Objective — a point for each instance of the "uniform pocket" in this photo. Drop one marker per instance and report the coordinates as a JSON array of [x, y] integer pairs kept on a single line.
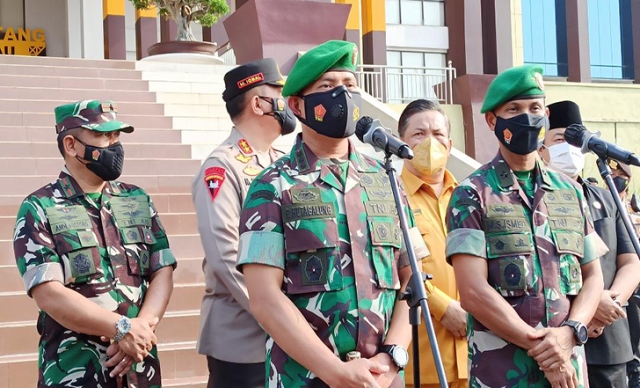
[[136, 240], [386, 240], [570, 246], [313, 260], [509, 262], [80, 256]]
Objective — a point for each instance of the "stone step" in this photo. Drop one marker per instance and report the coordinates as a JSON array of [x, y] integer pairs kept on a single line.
[[24, 93], [202, 123], [186, 87], [189, 98], [23, 185], [178, 362], [48, 119], [182, 67], [47, 133], [66, 62], [195, 110], [133, 150], [57, 71], [183, 77], [183, 246], [47, 106], [22, 337], [72, 82], [18, 307], [194, 382], [132, 166]]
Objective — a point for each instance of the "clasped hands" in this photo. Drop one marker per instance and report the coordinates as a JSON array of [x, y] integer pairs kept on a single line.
[[134, 347], [553, 355]]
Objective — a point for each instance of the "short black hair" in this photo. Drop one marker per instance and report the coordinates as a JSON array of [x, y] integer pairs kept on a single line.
[[416, 107], [235, 106], [69, 132]]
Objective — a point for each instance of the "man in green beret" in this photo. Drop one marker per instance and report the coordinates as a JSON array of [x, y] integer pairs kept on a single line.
[[95, 257], [524, 251], [321, 247]]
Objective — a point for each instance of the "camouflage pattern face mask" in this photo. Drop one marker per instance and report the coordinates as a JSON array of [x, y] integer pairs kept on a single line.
[[105, 162]]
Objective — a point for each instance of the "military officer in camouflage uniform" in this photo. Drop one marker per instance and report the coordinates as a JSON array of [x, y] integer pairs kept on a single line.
[[230, 337], [320, 244], [95, 257], [524, 251]]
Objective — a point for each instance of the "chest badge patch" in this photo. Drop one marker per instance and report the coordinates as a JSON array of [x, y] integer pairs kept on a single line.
[[251, 170], [214, 178], [243, 158]]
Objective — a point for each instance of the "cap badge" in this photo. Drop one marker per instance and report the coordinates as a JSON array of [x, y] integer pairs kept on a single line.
[[354, 56], [539, 81]]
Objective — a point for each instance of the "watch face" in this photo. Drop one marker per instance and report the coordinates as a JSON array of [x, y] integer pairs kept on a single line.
[[583, 334], [400, 356], [124, 325]]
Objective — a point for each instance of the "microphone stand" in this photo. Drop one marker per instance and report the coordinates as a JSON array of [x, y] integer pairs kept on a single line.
[[605, 173], [416, 294]]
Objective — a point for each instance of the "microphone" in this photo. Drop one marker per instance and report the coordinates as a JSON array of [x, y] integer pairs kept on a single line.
[[578, 136], [372, 132]]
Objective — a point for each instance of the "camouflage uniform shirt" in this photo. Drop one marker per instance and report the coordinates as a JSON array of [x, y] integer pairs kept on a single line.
[[534, 251], [333, 229], [103, 249]]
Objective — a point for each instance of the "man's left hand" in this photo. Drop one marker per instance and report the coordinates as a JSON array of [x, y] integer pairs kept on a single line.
[[385, 380], [117, 359], [555, 349]]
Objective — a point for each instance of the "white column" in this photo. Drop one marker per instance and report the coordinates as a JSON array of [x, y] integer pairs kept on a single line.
[[92, 29], [74, 28]]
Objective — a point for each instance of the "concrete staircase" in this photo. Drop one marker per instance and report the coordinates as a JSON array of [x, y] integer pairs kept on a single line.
[[156, 159]]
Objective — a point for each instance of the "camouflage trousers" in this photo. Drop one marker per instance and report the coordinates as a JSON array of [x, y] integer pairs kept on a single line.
[[510, 366]]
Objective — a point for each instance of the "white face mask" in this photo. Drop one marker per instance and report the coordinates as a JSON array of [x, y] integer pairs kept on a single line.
[[566, 159]]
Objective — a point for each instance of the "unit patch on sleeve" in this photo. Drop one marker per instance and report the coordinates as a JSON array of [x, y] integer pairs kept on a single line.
[[214, 178]]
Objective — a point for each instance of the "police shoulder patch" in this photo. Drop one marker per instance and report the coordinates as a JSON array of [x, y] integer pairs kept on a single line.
[[214, 178]]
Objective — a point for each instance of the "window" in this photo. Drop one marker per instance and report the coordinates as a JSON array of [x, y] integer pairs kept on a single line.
[[544, 35], [610, 41], [415, 12], [412, 75]]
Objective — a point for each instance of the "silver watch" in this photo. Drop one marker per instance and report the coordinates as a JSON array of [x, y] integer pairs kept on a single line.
[[123, 325]]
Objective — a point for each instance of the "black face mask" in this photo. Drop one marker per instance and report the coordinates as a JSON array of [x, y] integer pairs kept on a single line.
[[620, 183], [520, 134], [282, 113], [105, 162], [333, 113]]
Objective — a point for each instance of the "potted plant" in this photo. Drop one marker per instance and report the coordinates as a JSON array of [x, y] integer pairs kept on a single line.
[[184, 12]]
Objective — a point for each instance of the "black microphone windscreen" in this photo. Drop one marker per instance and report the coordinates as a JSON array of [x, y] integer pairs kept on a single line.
[[574, 134], [361, 126]]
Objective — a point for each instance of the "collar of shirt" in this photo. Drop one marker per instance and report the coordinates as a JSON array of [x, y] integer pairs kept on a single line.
[[71, 189], [413, 183], [507, 180], [264, 158]]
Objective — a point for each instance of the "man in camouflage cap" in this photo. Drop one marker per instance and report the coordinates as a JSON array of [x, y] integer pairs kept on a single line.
[[320, 244], [230, 337], [95, 258], [524, 251]]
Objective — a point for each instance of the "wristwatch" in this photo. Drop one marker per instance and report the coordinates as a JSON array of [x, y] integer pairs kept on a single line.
[[123, 325], [580, 332], [398, 354]]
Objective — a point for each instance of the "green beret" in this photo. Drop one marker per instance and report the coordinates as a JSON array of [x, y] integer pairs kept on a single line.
[[516, 83], [99, 116], [331, 55]]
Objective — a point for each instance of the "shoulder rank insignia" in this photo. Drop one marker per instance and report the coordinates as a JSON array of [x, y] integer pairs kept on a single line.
[[214, 178], [243, 158], [251, 170], [245, 148]]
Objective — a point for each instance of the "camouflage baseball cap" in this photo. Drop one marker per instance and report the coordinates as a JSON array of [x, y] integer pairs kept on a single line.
[[99, 116]]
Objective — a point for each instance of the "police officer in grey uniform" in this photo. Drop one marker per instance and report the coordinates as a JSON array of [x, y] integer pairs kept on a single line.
[[230, 337]]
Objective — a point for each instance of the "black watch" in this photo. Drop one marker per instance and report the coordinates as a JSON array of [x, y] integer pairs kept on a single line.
[[580, 332], [398, 354]]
